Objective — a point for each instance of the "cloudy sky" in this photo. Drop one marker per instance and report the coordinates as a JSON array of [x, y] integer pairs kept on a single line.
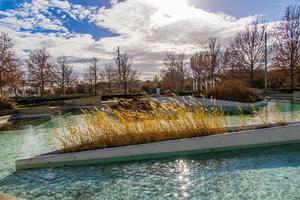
[[145, 29]]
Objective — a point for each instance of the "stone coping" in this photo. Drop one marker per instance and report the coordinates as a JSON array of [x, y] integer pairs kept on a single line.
[[212, 143]]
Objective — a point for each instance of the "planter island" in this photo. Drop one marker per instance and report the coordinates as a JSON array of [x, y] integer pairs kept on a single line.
[[252, 138]]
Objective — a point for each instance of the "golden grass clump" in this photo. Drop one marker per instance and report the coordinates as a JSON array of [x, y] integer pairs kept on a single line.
[[147, 122], [135, 104], [273, 115], [105, 128]]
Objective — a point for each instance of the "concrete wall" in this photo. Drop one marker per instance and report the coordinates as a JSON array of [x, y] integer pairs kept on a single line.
[[93, 100], [243, 139], [34, 110], [296, 95], [228, 106]]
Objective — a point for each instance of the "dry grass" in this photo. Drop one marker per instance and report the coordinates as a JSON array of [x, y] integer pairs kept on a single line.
[[113, 128], [274, 115], [135, 104], [107, 128]]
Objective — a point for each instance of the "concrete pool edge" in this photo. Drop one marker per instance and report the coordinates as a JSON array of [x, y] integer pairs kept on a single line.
[[206, 144]]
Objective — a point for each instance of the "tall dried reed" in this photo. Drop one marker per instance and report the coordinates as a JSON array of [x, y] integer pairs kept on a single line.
[[106, 128]]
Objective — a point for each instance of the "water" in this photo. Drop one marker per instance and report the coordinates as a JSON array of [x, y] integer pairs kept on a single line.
[[261, 173]]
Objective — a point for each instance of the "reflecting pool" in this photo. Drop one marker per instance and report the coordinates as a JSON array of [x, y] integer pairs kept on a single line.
[[260, 173]]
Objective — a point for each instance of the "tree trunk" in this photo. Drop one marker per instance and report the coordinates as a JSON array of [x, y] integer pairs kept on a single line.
[[95, 89], [292, 78], [15, 91], [109, 86], [252, 76], [125, 87], [182, 84], [252, 79], [63, 90], [42, 91]]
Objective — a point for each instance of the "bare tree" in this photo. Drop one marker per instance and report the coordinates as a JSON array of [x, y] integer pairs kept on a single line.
[[174, 71], [227, 61], [109, 74], [248, 49], [9, 64], [200, 66], [16, 77], [215, 53], [40, 71], [71, 79], [127, 73], [65, 74], [93, 75], [287, 42]]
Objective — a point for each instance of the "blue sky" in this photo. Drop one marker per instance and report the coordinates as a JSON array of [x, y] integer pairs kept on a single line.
[[270, 9], [146, 29], [77, 26]]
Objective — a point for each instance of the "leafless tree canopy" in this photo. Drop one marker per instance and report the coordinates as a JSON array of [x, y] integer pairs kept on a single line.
[[287, 43], [209, 64], [10, 71], [126, 74], [65, 75], [200, 64], [215, 55], [93, 75], [40, 71], [110, 75], [248, 49], [174, 71]]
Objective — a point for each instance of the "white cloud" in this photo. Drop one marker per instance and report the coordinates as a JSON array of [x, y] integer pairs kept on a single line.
[[147, 30], [148, 27], [31, 15]]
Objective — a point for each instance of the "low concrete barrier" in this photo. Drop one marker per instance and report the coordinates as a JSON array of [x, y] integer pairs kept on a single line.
[[228, 106], [296, 95], [32, 110], [93, 100], [222, 142]]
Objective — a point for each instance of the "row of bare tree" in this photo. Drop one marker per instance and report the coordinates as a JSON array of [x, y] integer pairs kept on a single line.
[[247, 54], [122, 74], [244, 57], [42, 72], [38, 71]]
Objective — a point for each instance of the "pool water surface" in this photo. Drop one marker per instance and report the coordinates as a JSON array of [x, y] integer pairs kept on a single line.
[[260, 173]]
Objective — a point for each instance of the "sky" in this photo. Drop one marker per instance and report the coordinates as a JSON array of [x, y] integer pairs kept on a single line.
[[145, 29]]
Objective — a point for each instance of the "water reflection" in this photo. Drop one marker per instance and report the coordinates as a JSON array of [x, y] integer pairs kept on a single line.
[[183, 178]]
